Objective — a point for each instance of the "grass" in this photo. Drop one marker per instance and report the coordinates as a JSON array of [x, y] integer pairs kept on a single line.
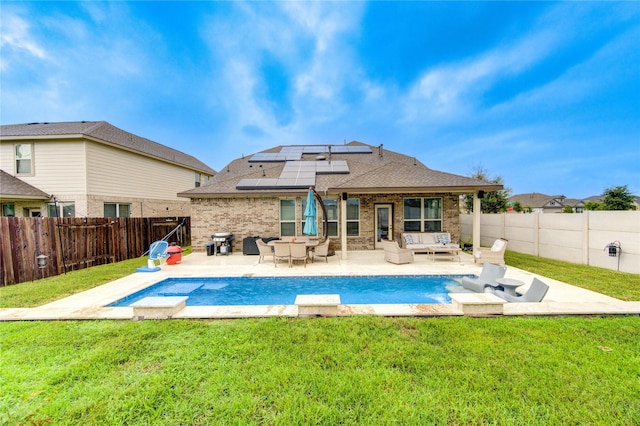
[[325, 371], [36, 293], [621, 285]]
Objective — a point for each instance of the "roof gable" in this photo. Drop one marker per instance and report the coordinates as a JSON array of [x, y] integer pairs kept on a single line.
[[106, 133], [13, 187]]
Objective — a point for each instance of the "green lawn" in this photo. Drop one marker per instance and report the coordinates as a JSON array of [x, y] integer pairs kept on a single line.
[[326, 371]]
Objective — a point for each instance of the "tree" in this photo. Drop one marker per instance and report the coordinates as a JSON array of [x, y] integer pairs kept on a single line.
[[618, 198], [567, 209], [593, 205], [493, 201]]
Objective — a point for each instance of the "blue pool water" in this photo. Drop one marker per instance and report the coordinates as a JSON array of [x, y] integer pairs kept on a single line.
[[402, 289]]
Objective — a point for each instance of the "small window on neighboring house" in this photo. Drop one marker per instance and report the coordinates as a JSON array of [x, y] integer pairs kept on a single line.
[[117, 210], [197, 180], [64, 210], [287, 218], [8, 210], [24, 159]]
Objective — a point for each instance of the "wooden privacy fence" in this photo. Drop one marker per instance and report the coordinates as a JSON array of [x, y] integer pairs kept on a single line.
[[76, 243]]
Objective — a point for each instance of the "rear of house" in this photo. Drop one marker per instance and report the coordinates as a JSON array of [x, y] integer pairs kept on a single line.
[[370, 194]]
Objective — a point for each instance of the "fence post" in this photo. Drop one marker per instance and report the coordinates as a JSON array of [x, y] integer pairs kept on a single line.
[[536, 234], [585, 237]]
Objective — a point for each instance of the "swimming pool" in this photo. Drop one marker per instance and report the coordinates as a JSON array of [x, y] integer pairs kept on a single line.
[[241, 291]]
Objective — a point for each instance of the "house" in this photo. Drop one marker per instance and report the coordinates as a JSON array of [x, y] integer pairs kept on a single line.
[[92, 169], [369, 194], [539, 203]]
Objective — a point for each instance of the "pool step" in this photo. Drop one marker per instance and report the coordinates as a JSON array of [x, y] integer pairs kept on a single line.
[[317, 305], [158, 307], [478, 304]]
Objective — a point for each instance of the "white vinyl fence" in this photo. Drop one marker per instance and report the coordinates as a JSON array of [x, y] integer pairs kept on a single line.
[[578, 238]]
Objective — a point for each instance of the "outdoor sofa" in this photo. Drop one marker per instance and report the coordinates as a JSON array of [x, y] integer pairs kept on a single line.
[[430, 242]]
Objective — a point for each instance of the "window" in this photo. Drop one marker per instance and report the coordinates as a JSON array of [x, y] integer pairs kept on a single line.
[[353, 217], [423, 214], [197, 180], [64, 210], [287, 218], [331, 205], [24, 159], [117, 210], [8, 210]]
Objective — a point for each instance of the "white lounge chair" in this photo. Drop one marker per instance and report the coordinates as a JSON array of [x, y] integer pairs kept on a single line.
[[490, 272], [493, 254], [535, 294]]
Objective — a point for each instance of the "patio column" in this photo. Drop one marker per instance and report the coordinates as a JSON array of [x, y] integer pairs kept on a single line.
[[343, 226], [476, 222]]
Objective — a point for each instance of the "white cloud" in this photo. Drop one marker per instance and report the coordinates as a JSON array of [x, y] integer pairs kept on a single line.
[[16, 35]]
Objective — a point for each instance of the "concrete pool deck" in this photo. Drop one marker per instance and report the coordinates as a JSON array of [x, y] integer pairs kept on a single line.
[[562, 298]]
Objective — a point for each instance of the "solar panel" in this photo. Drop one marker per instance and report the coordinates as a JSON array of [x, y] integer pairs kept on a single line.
[[274, 157], [296, 174]]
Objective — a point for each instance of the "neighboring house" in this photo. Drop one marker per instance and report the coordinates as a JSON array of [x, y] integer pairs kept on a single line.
[[539, 203], [369, 193], [92, 169]]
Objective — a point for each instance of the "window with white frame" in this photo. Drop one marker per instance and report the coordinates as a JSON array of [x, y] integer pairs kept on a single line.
[[63, 210], [117, 210], [353, 217], [287, 218], [24, 158], [423, 214], [331, 206]]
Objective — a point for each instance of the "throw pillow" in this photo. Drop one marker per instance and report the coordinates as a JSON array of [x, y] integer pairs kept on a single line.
[[408, 239], [444, 238]]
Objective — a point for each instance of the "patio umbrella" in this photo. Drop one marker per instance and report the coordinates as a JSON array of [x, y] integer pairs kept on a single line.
[[310, 226]]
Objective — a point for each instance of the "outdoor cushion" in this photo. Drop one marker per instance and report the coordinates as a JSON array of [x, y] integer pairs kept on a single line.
[[408, 238], [444, 238]]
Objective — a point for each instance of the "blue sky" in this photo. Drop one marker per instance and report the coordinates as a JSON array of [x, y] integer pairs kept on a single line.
[[545, 95]]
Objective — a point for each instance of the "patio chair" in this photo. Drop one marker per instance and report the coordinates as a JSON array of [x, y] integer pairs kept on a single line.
[[263, 249], [281, 251], [298, 252], [490, 272], [535, 294], [321, 250], [493, 254], [394, 254]]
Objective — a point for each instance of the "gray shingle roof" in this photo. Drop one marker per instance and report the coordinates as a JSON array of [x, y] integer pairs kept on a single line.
[[12, 187], [390, 172], [105, 132]]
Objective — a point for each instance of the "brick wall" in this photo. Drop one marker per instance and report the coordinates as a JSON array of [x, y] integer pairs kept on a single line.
[[260, 216]]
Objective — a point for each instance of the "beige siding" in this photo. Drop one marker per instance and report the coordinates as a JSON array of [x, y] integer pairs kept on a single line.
[[118, 173], [58, 167]]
